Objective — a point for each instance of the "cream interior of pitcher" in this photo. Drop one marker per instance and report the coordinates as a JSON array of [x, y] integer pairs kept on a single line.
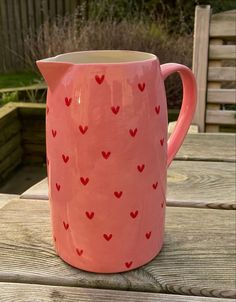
[[102, 56]]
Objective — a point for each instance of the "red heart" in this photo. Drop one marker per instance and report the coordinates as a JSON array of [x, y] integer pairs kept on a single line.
[[141, 167], [106, 154], [148, 235], [134, 214], [58, 187], [128, 264], [66, 225], [79, 252], [47, 109], [107, 237], [115, 110], [133, 132], [162, 141], [118, 194], [99, 79], [68, 101], [83, 129], [54, 238], [65, 158], [89, 215], [155, 185], [84, 181], [162, 205], [141, 86], [157, 109], [54, 133]]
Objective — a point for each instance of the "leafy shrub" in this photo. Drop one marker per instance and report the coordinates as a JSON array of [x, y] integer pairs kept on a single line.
[[141, 35], [7, 97]]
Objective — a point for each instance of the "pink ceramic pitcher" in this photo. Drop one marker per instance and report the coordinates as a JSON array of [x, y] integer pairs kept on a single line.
[[107, 155]]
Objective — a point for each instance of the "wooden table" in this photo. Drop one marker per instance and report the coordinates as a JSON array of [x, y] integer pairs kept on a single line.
[[197, 261]]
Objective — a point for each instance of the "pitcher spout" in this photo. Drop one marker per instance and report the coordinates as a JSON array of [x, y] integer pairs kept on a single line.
[[52, 71]]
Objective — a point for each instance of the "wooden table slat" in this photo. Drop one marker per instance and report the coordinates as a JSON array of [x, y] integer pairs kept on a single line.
[[190, 184], [5, 198], [33, 292], [198, 257], [208, 147]]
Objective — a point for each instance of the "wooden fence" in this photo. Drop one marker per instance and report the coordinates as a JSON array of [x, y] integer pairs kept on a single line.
[[17, 17]]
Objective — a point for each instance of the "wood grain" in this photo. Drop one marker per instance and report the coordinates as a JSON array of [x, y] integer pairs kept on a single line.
[[4, 37], [12, 292], [223, 25], [32, 136], [7, 114], [9, 163], [208, 68], [11, 31], [9, 131], [10, 146], [208, 147], [222, 52], [5, 198], [197, 257], [219, 74], [221, 96], [213, 85], [200, 54], [35, 148], [221, 117], [189, 184], [201, 184]]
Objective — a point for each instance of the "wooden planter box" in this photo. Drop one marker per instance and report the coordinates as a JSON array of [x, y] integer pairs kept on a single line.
[[22, 135]]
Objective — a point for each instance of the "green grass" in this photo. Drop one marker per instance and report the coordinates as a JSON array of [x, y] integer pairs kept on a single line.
[[18, 79]]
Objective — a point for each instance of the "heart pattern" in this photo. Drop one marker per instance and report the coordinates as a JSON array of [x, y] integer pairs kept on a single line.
[[155, 185], [54, 133], [118, 194], [79, 252], [58, 187], [83, 129], [141, 168], [106, 154], [115, 110], [65, 158], [133, 132], [135, 215], [128, 264], [157, 109], [68, 101], [141, 86], [107, 236], [90, 215], [99, 79], [84, 181], [66, 225]]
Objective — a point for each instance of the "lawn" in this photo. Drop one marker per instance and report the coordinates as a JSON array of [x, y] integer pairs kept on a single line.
[[18, 79]]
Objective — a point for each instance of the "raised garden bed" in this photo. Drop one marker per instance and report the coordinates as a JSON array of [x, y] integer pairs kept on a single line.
[[22, 137]]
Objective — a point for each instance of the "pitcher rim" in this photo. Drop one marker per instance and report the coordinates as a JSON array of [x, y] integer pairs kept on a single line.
[[147, 57]]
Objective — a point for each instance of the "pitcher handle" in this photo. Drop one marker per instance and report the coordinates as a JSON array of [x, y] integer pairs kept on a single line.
[[187, 108]]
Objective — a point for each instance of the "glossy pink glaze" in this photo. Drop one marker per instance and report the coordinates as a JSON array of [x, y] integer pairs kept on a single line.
[[106, 132]]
